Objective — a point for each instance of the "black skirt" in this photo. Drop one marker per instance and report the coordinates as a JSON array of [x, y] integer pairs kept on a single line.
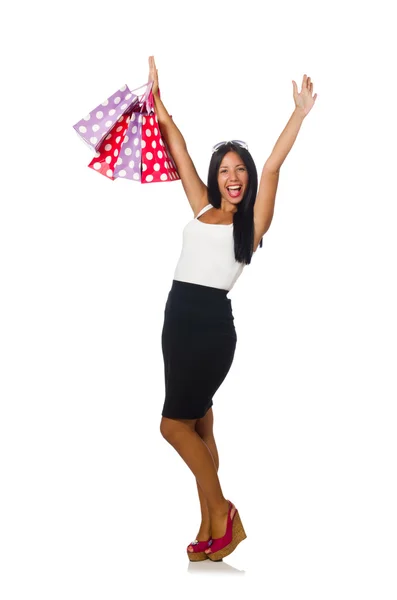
[[198, 343]]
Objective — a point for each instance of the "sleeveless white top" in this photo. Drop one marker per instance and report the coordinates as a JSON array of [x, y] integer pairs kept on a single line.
[[207, 255]]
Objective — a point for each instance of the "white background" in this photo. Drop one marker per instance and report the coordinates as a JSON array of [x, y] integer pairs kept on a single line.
[[94, 502]]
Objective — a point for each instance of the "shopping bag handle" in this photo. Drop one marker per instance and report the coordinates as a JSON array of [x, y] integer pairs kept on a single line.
[[145, 100]]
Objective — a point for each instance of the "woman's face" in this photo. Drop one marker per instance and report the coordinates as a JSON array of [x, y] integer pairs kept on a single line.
[[232, 174]]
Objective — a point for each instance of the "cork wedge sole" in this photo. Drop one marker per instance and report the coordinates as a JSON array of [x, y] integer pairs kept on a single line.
[[238, 536], [197, 556]]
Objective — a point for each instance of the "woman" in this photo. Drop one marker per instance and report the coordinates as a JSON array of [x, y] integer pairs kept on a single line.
[[198, 337]]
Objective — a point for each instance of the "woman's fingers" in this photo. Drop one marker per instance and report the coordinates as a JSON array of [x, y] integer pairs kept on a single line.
[[152, 68], [307, 84], [153, 74], [152, 64]]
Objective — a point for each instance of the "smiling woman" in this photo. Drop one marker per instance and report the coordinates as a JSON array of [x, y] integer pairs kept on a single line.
[[233, 175], [199, 337]]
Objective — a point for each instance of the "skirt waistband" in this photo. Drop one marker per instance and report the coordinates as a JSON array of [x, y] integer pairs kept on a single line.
[[197, 289], [185, 297]]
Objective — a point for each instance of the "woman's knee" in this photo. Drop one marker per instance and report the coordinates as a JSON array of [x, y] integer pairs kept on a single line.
[[171, 429], [166, 427]]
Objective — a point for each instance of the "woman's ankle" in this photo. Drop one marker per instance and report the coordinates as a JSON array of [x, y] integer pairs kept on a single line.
[[219, 509]]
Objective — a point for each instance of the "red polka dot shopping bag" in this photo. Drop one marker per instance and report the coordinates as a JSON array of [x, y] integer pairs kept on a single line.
[[105, 159], [157, 162]]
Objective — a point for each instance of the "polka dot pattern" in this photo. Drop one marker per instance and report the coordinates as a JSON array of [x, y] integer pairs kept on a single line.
[[157, 164], [101, 119], [107, 160], [127, 144]]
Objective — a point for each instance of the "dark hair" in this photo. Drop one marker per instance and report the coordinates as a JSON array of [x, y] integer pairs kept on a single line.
[[243, 219]]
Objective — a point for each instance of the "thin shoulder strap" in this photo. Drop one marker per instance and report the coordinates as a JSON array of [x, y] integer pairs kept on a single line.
[[203, 210]]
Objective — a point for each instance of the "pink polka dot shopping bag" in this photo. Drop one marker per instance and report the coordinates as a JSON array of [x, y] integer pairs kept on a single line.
[[124, 133]]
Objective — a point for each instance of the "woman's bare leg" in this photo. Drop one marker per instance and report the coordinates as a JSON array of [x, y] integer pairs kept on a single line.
[[212, 524], [181, 434], [204, 428]]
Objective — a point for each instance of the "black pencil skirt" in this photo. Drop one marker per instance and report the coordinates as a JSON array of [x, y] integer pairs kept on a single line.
[[198, 343]]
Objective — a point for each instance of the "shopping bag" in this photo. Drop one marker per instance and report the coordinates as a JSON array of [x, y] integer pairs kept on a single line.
[[95, 126], [105, 159], [128, 164], [157, 162]]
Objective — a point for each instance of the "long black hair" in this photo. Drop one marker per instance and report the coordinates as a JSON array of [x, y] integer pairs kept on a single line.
[[243, 219]]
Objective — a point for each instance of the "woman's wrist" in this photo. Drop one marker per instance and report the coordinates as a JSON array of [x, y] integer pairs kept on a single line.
[[300, 112]]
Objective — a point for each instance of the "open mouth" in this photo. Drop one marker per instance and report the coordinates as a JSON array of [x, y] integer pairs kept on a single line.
[[234, 191]]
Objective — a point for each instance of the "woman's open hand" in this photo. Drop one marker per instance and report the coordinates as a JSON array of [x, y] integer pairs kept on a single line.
[[305, 100], [153, 75]]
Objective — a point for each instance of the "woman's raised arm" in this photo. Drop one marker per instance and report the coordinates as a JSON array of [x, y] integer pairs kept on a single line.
[[195, 188], [265, 199]]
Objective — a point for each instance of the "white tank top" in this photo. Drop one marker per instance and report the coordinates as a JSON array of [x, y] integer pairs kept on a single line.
[[207, 255]]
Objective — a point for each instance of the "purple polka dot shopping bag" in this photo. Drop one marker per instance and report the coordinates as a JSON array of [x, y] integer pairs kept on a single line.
[[128, 165], [94, 127]]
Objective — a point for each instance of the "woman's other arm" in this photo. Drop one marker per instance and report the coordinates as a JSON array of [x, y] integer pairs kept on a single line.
[[265, 199]]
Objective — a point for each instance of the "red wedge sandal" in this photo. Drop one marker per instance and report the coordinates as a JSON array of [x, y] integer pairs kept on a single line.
[[235, 534]]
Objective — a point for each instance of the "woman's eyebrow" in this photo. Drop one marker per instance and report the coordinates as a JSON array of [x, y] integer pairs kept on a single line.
[[226, 166]]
